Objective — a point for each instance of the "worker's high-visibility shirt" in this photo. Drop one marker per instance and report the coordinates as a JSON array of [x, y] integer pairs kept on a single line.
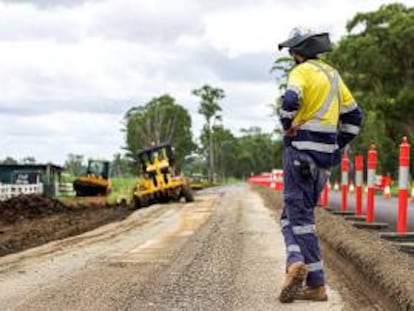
[[319, 103]]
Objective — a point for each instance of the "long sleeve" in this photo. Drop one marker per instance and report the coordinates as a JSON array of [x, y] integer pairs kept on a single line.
[[289, 109], [291, 98], [350, 118]]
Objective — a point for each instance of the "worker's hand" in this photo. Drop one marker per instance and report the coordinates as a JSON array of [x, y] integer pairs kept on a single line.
[[293, 131]]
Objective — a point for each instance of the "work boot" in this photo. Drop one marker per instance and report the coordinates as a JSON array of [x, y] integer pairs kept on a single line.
[[312, 293], [296, 274]]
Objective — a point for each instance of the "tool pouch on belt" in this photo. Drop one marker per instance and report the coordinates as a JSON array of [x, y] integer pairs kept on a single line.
[[306, 169]]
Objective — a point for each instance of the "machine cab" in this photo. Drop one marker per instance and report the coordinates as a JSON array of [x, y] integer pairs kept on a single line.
[[98, 168], [159, 157]]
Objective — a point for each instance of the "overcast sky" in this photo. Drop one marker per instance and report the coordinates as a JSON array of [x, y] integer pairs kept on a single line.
[[70, 69]]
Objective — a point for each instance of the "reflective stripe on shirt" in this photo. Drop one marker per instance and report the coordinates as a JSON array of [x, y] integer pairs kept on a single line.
[[333, 91], [310, 145], [349, 128], [287, 114], [348, 108], [316, 126]]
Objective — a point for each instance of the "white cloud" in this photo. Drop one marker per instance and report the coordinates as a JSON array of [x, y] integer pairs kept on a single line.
[[259, 27], [70, 69], [61, 133]]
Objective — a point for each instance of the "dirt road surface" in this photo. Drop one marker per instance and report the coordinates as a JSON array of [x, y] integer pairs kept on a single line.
[[222, 252]]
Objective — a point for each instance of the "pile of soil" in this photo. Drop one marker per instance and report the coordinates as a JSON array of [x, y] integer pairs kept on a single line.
[[29, 207], [32, 220]]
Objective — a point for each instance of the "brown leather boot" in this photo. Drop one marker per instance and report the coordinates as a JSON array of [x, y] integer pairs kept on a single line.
[[312, 293], [296, 274]]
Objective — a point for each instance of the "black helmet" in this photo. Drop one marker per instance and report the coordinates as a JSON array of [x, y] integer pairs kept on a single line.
[[307, 43]]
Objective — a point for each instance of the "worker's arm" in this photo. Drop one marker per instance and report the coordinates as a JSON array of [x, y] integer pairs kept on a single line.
[[350, 117], [291, 99]]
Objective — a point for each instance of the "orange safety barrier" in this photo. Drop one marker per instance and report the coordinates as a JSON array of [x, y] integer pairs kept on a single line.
[[344, 182], [359, 179], [277, 180], [372, 165], [264, 180], [403, 186]]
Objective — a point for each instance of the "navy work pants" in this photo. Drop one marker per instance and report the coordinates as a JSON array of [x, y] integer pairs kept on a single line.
[[303, 184]]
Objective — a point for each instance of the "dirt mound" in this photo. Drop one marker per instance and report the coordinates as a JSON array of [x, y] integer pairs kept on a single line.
[[28, 207], [388, 270], [30, 220]]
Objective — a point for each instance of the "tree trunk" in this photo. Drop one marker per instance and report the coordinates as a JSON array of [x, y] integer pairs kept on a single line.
[[211, 153]]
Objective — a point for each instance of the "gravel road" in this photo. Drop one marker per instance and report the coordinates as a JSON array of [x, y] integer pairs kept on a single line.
[[222, 252]]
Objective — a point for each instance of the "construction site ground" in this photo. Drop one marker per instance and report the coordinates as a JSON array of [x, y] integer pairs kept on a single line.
[[32, 220], [222, 252]]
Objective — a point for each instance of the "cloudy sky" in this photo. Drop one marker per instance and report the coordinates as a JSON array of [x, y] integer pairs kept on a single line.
[[69, 69]]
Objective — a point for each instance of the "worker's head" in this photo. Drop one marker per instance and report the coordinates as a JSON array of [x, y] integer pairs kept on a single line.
[[303, 43]]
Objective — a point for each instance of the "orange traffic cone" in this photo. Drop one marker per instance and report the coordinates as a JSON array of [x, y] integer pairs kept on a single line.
[[387, 192], [336, 186], [351, 188]]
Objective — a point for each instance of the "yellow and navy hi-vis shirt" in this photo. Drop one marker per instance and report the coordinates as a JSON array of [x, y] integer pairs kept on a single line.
[[320, 104]]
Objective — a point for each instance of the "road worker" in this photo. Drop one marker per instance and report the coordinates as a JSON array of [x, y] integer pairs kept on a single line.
[[319, 118]]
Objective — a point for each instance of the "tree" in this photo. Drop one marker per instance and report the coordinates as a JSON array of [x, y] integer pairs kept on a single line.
[[373, 60], [194, 164], [282, 66], [9, 161], [160, 120], [74, 164], [28, 160], [225, 149], [258, 152], [121, 166], [210, 109]]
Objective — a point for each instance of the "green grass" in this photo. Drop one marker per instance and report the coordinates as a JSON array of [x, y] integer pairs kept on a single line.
[[121, 188]]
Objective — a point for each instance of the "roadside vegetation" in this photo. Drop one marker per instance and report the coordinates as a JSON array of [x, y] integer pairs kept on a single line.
[[374, 60]]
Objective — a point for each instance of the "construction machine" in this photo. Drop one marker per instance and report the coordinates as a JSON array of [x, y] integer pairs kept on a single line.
[[160, 183], [95, 182], [198, 182]]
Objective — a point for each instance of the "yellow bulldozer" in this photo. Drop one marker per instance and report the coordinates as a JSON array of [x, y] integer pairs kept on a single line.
[[160, 183], [95, 182], [198, 182]]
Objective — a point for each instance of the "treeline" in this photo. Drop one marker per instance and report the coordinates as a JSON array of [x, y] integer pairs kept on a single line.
[[217, 152], [12, 161], [120, 165], [376, 61], [374, 58]]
